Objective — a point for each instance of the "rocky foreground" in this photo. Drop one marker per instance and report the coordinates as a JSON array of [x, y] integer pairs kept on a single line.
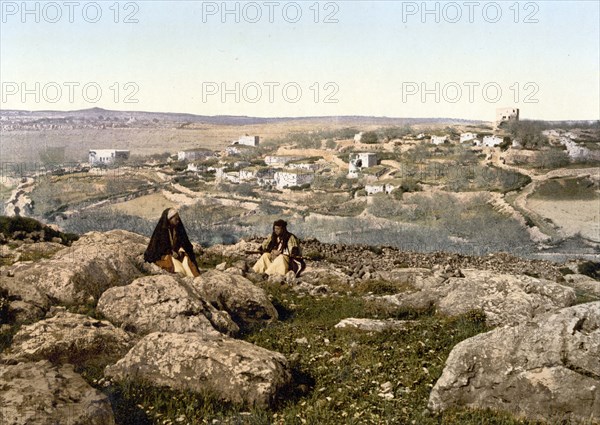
[[97, 304]]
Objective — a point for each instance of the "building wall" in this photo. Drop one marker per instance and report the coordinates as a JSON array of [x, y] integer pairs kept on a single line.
[[285, 179], [106, 156], [249, 140], [465, 137], [506, 115]]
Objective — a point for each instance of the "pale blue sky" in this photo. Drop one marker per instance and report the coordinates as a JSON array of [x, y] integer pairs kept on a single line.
[[369, 55]]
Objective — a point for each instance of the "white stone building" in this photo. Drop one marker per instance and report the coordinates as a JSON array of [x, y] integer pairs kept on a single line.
[[359, 161], [491, 141], [303, 166], [380, 187], [107, 156], [194, 154], [290, 178], [248, 141], [358, 137], [505, 115], [465, 137], [280, 160], [439, 140]]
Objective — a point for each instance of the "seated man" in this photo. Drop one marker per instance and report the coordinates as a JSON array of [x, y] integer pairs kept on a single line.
[[170, 248], [281, 253]]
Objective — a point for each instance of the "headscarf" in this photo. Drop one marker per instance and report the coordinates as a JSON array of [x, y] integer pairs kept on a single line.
[[160, 242], [285, 236]]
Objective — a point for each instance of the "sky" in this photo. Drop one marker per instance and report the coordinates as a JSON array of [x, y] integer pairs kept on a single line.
[[458, 59]]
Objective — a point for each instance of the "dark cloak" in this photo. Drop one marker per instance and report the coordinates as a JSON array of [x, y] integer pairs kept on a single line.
[[285, 237], [160, 242]]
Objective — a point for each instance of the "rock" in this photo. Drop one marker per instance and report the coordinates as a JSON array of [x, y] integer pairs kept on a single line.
[[162, 303], [94, 263], [546, 369], [236, 250], [246, 303], [276, 279], [41, 393], [290, 278], [505, 299], [221, 267], [231, 369], [315, 291], [234, 270], [40, 249], [318, 275], [302, 341], [241, 264], [26, 303], [56, 240], [583, 283], [69, 338], [373, 325]]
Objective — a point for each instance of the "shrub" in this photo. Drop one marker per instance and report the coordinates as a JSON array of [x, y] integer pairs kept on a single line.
[[591, 269], [369, 137]]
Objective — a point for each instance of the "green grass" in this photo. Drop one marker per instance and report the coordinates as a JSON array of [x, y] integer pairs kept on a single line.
[[567, 189], [338, 374]]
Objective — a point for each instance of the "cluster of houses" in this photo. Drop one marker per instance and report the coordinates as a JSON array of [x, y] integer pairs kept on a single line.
[[279, 172], [489, 141], [576, 151]]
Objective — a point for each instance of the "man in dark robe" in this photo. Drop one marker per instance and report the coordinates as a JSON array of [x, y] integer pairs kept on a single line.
[[281, 252], [170, 248]]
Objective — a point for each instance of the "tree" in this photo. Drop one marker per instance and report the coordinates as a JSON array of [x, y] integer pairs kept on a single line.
[[369, 137]]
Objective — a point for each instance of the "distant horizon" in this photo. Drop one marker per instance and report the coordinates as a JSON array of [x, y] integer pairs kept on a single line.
[[279, 117]]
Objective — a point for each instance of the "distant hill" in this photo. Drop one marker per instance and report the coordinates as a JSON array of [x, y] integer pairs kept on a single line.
[[20, 118]]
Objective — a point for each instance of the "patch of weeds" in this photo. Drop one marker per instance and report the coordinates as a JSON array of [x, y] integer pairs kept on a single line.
[[401, 264], [582, 297], [87, 309], [6, 337], [210, 260], [313, 255], [4, 304], [381, 287], [141, 403], [476, 316], [487, 417], [565, 271], [590, 269], [375, 249], [531, 274]]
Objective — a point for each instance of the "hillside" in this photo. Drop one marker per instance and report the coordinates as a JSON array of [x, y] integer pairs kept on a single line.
[[368, 334]]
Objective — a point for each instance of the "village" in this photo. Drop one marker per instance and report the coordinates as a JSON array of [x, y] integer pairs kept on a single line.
[[417, 185], [289, 167]]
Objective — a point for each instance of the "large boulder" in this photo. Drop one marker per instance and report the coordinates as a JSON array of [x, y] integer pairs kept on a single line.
[[162, 303], [233, 370], [69, 338], [547, 368], [237, 250], [83, 271], [505, 299], [26, 303], [583, 284], [40, 393], [245, 302]]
